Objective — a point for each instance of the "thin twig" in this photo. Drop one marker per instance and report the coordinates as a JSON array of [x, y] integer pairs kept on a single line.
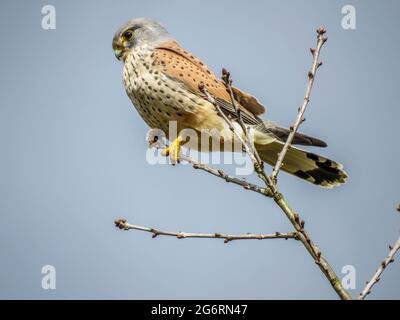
[[378, 273], [159, 144], [226, 78], [321, 39], [122, 224], [249, 148], [242, 139], [228, 178]]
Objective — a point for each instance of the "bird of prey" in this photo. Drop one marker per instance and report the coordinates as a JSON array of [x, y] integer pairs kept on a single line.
[[162, 80]]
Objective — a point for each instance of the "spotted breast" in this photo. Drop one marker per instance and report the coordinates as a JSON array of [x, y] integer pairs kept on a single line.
[[160, 99]]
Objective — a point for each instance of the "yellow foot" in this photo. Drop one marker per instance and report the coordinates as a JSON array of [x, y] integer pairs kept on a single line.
[[173, 151]]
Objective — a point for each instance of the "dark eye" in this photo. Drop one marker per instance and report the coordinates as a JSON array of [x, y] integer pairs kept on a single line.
[[128, 35]]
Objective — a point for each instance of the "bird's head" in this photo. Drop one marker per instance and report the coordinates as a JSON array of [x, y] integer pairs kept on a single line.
[[138, 32]]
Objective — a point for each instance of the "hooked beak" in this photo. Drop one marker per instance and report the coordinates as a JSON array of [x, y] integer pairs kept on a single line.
[[118, 50], [118, 53]]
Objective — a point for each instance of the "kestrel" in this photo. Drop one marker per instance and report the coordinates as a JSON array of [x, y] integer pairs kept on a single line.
[[162, 80]]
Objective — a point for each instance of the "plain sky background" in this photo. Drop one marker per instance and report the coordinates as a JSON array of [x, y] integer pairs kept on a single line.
[[73, 153]]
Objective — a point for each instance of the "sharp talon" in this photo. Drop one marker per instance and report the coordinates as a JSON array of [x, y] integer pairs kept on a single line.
[[173, 151], [165, 152]]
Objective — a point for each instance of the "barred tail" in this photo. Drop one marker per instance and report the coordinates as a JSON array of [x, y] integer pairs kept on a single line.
[[305, 165]]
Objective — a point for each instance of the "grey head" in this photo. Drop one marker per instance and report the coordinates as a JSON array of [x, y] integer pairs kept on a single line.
[[138, 32]]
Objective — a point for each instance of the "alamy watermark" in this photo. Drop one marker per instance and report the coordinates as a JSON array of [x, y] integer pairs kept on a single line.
[[209, 146], [49, 278], [49, 18], [349, 17], [349, 278]]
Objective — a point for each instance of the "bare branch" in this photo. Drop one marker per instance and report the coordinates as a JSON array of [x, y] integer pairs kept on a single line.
[[249, 147], [228, 178], [226, 78], [321, 39], [378, 273], [123, 225], [159, 144], [270, 182]]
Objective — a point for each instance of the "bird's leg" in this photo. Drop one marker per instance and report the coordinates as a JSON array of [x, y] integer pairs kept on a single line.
[[173, 150]]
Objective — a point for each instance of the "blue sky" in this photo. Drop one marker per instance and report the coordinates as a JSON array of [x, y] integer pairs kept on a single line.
[[73, 153]]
